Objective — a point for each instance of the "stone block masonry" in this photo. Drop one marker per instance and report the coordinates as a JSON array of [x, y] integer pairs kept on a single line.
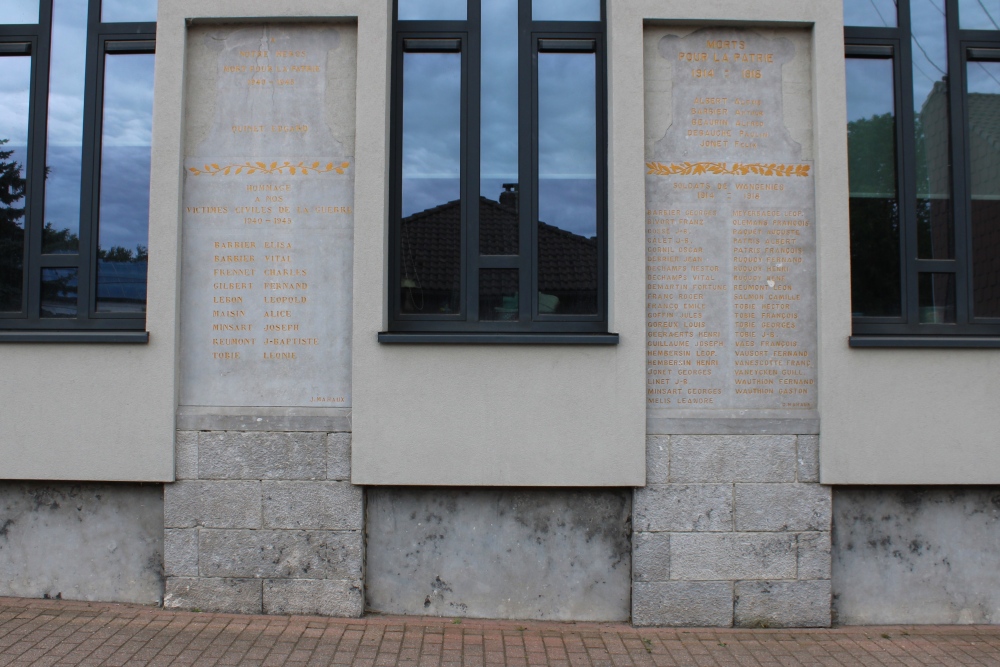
[[732, 530], [264, 522]]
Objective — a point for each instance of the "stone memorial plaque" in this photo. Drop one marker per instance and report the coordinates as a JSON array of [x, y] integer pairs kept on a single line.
[[730, 233], [268, 219]]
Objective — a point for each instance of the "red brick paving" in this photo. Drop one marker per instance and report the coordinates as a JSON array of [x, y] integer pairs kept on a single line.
[[52, 632]]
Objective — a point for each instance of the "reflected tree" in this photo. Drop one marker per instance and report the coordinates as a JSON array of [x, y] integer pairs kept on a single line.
[[12, 189]]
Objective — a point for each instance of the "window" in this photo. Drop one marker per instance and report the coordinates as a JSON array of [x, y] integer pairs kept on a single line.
[[923, 105], [499, 223], [76, 86]]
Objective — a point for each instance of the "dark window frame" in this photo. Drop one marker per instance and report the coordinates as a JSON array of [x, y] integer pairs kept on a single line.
[[88, 325], [531, 326], [906, 331]]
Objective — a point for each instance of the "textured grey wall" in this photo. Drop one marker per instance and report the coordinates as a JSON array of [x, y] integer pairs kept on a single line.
[[264, 522], [499, 553], [88, 541], [732, 530], [916, 555]]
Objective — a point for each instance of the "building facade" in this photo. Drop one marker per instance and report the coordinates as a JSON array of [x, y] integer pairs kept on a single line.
[[676, 313]]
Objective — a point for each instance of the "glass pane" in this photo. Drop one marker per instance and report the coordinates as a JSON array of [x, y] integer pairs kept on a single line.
[[567, 183], [18, 11], [937, 298], [123, 225], [566, 10], [64, 152], [431, 228], [128, 11], [870, 13], [871, 148], [498, 206], [59, 290], [979, 14], [15, 83], [498, 295], [984, 136], [432, 10], [935, 229]]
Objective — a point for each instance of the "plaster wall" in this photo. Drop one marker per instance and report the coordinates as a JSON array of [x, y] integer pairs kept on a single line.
[[555, 554], [89, 541], [916, 555]]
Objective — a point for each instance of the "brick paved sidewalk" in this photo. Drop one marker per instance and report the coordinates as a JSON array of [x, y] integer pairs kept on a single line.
[[51, 632]]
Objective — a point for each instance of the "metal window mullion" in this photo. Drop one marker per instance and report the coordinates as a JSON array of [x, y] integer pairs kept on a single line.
[[37, 140], [908, 172], [602, 142], [527, 124], [472, 72], [396, 174], [960, 186], [90, 166]]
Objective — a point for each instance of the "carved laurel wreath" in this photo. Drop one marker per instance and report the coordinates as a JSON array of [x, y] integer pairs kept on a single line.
[[274, 168], [721, 169]]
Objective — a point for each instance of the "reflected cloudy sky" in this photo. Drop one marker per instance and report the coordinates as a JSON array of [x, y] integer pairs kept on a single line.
[[566, 10], [930, 50], [18, 11], [498, 105], [432, 85], [984, 77], [127, 131], [869, 88], [64, 150], [873, 13], [567, 141], [427, 10], [123, 11], [979, 14]]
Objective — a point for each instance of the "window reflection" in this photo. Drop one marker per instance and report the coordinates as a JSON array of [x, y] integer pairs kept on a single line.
[[18, 11], [935, 229], [427, 10], [15, 81], [123, 223], [874, 206], [984, 135], [431, 228], [567, 183], [59, 292], [499, 216], [936, 298], [871, 13], [64, 150], [979, 14], [498, 295], [566, 10], [128, 11]]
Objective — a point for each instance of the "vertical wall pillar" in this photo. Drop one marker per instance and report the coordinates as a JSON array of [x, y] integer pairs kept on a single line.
[[733, 527], [264, 521], [732, 530]]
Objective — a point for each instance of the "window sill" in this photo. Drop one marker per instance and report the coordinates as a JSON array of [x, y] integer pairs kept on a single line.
[[499, 338], [925, 341], [134, 337]]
